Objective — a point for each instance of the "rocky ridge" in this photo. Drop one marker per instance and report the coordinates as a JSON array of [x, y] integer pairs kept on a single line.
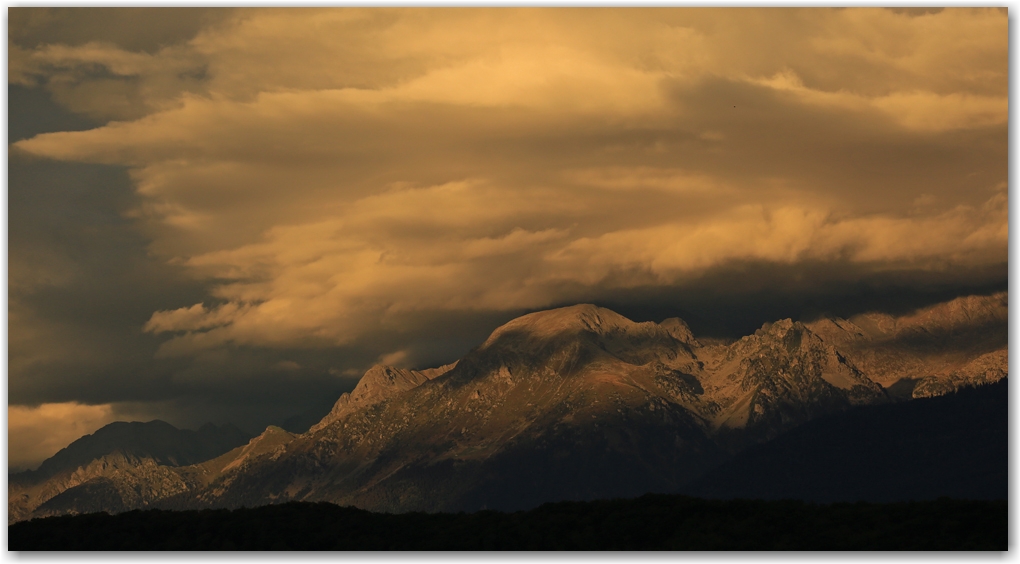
[[933, 350], [581, 403]]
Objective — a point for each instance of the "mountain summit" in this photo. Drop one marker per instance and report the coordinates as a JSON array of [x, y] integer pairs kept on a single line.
[[569, 320], [576, 403]]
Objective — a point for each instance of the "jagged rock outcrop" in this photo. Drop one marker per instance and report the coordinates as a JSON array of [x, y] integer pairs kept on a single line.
[[781, 376], [379, 383]]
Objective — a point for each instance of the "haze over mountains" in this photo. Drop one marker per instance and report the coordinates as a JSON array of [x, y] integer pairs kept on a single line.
[[572, 403]]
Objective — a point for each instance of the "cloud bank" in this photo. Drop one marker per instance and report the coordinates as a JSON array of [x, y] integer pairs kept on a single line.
[[334, 177]]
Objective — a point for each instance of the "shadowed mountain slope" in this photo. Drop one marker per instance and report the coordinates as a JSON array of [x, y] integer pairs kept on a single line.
[[955, 445]]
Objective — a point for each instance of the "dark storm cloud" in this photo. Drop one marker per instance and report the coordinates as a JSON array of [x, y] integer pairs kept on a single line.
[[80, 280], [81, 286], [97, 62], [30, 112], [133, 29], [733, 301]]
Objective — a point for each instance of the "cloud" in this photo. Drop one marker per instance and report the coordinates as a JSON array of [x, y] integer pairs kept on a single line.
[[915, 110], [491, 167], [790, 234], [136, 29], [36, 433], [646, 178], [193, 318], [395, 358], [329, 292], [101, 80]]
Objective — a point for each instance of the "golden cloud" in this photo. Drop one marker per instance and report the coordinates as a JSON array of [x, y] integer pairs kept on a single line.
[[36, 433], [331, 171]]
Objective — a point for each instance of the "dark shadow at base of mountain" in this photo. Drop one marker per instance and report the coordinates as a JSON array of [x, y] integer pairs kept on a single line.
[[651, 522], [954, 445], [96, 495]]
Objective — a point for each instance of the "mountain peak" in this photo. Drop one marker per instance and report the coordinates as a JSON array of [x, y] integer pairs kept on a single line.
[[571, 319], [679, 329], [783, 329], [379, 383], [152, 439]]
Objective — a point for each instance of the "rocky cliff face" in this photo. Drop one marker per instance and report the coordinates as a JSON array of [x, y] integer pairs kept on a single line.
[[376, 385], [577, 403], [782, 376]]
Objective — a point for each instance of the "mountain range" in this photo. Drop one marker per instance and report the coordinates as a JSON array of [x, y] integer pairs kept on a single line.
[[573, 403]]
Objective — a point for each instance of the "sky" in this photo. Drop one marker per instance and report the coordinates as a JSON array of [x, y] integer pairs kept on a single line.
[[228, 215]]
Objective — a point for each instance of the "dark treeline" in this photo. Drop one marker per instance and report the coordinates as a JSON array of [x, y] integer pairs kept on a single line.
[[651, 522]]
